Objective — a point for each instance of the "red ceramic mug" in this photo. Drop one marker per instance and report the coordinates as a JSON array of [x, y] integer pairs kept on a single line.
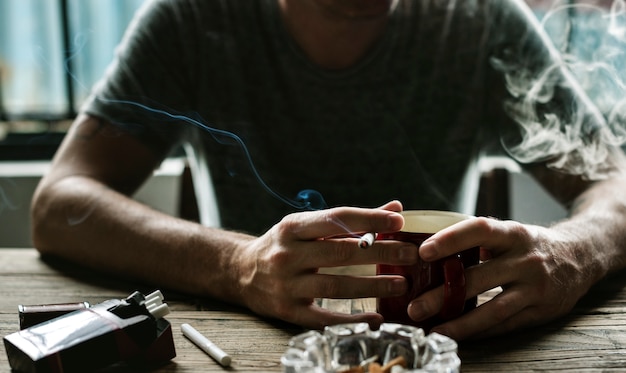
[[424, 276]]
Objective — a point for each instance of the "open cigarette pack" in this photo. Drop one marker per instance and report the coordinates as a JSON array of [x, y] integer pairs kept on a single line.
[[89, 338]]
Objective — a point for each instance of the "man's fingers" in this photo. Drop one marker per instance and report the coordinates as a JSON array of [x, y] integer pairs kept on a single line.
[[392, 206], [315, 317], [349, 287], [476, 232], [489, 275], [478, 279], [502, 313], [340, 221], [426, 305], [343, 252]]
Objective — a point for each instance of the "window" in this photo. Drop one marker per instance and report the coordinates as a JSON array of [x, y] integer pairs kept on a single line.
[[52, 51], [31, 58]]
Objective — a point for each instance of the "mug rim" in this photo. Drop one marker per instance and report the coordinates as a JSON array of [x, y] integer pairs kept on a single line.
[[442, 219]]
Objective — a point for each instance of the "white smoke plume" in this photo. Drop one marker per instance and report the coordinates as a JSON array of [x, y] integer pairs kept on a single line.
[[590, 38]]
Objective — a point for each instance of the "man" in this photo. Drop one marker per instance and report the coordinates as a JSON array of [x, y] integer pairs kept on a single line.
[[354, 102]]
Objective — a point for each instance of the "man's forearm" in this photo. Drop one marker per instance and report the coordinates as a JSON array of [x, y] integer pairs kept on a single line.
[[598, 221], [83, 221]]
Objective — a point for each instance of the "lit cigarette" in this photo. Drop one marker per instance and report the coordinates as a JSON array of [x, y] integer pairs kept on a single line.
[[367, 240], [207, 346]]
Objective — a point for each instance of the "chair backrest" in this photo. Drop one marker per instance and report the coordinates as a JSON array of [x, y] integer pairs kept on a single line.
[[208, 212]]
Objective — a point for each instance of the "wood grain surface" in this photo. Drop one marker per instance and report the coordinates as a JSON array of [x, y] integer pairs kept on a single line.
[[591, 338]]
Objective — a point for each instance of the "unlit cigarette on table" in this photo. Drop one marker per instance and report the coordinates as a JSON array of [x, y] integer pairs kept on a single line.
[[207, 346], [367, 240]]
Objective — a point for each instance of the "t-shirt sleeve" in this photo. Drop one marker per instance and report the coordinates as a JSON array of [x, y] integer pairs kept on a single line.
[[147, 89]]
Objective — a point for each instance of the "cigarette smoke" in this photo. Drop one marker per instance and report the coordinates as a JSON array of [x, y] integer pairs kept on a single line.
[[576, 137], [307, 199]]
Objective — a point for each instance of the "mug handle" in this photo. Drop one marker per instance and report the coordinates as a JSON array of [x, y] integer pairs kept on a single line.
[[453, 288]]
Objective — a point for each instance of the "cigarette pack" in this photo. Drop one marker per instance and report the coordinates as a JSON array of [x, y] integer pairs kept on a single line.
[[129, 330], [36, 314]]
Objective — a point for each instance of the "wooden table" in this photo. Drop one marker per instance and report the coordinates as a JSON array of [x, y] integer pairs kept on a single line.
[[591, 338]]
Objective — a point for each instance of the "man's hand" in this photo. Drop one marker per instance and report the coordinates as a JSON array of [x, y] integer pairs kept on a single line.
[[281, 279], [543, 273]]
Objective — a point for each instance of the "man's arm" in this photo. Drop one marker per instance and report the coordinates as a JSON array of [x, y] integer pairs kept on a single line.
[[82, 212], [597, 215], [543, 271]]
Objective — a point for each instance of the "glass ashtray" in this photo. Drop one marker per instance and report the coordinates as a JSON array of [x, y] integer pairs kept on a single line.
[[354, 348]]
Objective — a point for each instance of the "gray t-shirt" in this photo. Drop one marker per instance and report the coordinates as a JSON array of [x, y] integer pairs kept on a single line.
[[404, 123]]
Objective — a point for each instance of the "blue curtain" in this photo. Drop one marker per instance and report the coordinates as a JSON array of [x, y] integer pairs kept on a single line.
[[51, 48], [31, 63], [96, 27]]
